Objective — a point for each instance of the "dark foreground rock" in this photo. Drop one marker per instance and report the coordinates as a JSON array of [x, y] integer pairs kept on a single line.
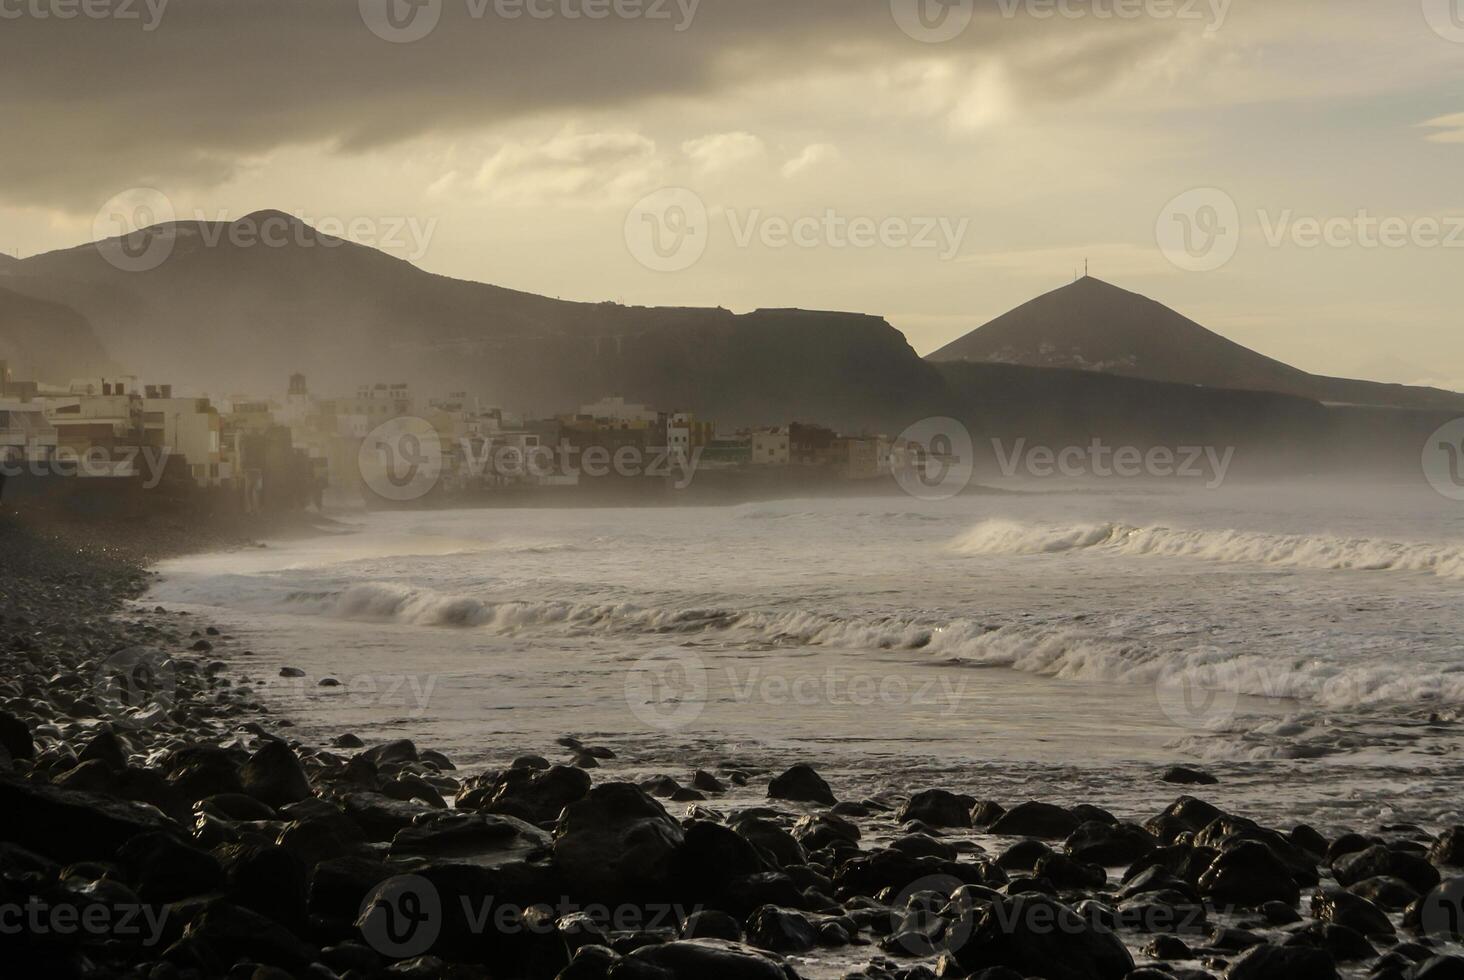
[[801, 784], [1037, 936]]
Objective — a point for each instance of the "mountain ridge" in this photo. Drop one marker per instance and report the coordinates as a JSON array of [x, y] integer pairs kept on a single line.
[[1093, 325], [44, 339], [224, 316]]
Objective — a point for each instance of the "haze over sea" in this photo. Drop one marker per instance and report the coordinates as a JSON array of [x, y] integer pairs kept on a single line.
[[1284, 637]]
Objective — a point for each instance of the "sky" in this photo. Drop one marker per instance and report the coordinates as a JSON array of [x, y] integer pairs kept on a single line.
[[1287, 172]]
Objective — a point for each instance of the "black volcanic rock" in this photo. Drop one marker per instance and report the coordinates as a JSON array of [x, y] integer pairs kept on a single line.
[[1267, 962], [273, 775], [1037, 936], [803, 785], [1248, 874], [616, 844], [72, 826], [939, 808], [708, 959], [1033, 819]]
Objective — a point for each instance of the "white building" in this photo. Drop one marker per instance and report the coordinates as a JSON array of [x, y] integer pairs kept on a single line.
[[189, 427], [770, 447], [25, 435]]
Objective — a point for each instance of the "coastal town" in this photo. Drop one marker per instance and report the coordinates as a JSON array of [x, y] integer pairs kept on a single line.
[[301, 450]]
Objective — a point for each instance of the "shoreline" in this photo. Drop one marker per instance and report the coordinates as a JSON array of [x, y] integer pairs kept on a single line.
[[182, 796]]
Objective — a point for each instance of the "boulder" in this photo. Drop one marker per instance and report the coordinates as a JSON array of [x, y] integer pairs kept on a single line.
[[617, 844], [772, 840], [1448, 849], [235, 933], [803, 785], [868, 874], [1188, 776], [705, 959], [1110, 845], [535, 795], [1037, 936], [1387, 893], [1043, 820], [15, 737], [1344, 945], [1248, 875], [274, 775], [1352, 911], [1438, 968], [1186, 813], [817, 831], [1382, 860], [711, 924], [938, 808], [72, 826], [267, 879], [167, 870], [1268, 962], [484, 839], [380, 817], [709, 858], [1069, 874], [781, 930]]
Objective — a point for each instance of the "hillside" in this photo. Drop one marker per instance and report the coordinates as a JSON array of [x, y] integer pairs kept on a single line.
[[1094, 326], [230, 317], [48, 341]]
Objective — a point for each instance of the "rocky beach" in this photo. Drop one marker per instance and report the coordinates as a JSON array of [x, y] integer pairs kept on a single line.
[[161, 821]]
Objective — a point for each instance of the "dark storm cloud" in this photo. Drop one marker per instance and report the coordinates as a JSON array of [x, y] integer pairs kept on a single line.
[[111, 93]]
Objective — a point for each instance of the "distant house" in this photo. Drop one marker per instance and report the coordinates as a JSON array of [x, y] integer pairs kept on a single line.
[[26, 438], [769, 447], [812, 445], [863, 457], [685, 433], [189, 427]]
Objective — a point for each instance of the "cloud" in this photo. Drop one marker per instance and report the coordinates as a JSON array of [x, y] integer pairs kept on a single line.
[[91, 106], [724, 151], [1448, 129], [813, 157], [572, 167]]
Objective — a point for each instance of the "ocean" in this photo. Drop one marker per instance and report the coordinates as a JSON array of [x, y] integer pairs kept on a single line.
[[1300, 641]]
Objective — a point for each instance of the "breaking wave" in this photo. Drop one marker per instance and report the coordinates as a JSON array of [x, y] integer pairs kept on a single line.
[[999, 537], [1067, 651]]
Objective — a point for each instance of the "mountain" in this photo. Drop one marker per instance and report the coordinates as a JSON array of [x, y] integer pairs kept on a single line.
[[1094, 326], [45, 340], [226, 312]]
